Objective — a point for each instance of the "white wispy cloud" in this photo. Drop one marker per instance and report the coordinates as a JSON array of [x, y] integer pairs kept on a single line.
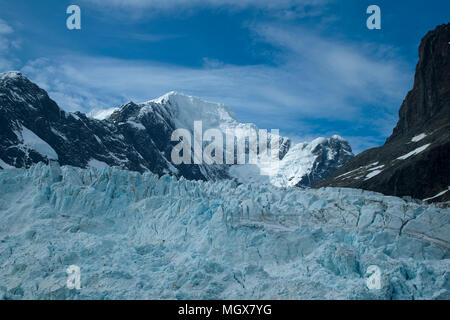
[[7, 43], [282, 8], [160, 4], [313, 78], [5, 28], [339, 72]]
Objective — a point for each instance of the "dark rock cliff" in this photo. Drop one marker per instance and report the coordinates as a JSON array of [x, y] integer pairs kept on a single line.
[[415, 160]]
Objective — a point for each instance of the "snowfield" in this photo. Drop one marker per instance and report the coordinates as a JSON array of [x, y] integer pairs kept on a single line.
[[140, 236]]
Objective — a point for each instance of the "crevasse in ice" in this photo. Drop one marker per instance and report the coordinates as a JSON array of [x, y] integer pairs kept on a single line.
[[140, 236]]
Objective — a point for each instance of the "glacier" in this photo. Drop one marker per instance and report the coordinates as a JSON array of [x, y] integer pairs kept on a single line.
[[140, 236]]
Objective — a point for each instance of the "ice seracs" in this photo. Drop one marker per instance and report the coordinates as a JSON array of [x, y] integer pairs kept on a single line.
[[140, 236]]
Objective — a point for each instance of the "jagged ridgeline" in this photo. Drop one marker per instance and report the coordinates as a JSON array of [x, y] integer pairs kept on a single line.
[[138, 137]]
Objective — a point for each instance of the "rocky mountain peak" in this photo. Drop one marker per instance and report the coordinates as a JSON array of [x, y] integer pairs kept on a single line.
[[14, 80], [414, 161], [429, 99], [25, 99], [137, 136], [11, 75]]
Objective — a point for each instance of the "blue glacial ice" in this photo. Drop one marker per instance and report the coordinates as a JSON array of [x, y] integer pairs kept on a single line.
[[142, 237]]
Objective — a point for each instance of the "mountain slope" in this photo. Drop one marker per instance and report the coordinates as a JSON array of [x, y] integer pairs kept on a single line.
[[142, 237], [75, 139], [415, 160], [304, 164], [135, 136]]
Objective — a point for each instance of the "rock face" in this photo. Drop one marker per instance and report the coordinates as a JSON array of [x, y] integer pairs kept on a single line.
[[308, 163], [415, 160], [33, 129], [331, 154], [427, 105], [135, 137]]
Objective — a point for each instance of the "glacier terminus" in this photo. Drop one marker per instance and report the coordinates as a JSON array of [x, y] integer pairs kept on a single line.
[[140, 236]]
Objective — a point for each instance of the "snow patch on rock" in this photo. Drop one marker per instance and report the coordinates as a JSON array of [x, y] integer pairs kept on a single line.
[[438, 195], [414, 152], [97, 164], [101, 114], [30, 140], [373, 174]]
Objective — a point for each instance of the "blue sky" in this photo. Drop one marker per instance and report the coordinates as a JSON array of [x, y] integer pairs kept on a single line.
[[307, 67]]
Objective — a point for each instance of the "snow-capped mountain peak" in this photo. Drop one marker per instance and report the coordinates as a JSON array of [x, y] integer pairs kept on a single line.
[[186, 109], [139, 136], [101, 114], [305, 164], [10, 74]]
